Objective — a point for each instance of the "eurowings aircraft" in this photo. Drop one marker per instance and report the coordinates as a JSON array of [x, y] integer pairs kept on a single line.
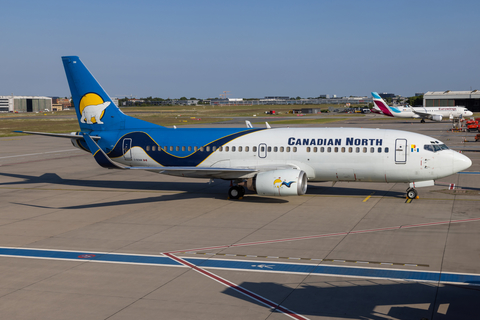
[[431, 113], [268, 161]]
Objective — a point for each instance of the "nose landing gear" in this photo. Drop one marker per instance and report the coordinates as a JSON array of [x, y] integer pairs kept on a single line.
[[411, 193]]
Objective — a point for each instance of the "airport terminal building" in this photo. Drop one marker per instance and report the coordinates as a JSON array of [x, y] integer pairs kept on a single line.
[[468, 99], [25, 104]]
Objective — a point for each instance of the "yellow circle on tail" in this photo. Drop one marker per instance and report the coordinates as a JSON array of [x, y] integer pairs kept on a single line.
[[91, 99]]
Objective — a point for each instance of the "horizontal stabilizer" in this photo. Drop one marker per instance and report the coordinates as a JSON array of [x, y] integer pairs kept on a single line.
[[59, 135]]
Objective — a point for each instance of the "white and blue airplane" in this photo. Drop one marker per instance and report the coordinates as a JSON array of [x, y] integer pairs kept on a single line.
[[430, 113], [268, 161]]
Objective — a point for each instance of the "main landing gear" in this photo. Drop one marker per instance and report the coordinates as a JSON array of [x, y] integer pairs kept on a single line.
[[422, 121], [411, 193], [236, 192]]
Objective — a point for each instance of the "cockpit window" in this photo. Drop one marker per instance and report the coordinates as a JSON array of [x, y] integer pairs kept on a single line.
[[435, 147]]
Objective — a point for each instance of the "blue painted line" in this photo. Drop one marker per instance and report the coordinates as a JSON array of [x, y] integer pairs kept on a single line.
[[89, 256], [410, 275], [258, 266]]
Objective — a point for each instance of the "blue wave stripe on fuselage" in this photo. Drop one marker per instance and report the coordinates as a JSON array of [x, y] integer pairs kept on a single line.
[[179, 137]]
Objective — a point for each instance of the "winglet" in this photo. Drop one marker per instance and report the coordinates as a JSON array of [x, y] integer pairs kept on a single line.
[[249, 124], [100, 156]]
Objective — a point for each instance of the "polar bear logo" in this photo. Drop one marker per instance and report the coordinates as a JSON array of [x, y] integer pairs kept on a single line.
[[93, 111]]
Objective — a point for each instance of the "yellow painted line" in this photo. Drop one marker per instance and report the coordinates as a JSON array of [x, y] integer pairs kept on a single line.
[[366, 199]]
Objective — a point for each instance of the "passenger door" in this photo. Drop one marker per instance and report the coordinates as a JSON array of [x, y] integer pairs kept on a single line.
[[401, 151]]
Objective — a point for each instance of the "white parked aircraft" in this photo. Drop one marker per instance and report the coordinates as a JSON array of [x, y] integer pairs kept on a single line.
[[431, 113], [268, 161]]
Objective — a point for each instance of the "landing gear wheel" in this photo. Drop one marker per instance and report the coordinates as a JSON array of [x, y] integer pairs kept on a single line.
[[411, 193], [422, 121], [236, 192]]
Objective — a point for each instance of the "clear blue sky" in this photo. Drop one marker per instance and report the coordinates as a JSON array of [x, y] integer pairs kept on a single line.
[[250, 48]]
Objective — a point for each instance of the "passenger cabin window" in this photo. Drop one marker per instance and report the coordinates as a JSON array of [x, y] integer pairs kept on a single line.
[[322, 149], [239, 149], [226, 149], [379, 149], [154, 148], [254, 149], [275, 149], [171, 148], [357, 149], [177, 148], [294, 149], [372, 150], [189, 148], [246, 149], [282, 149], [233, 149], [201, 148], [148, 148], [386, 149], [288, 149], [350, 149], [329, 149], [315, 149], [183, 148], [308, 149]]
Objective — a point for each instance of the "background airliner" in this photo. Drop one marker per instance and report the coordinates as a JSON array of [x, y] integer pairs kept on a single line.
[[431, 113], [268, 161]]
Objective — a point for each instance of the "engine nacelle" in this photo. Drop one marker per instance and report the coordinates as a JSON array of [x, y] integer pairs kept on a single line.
[[436, 117], [287, 182], [75, 142]]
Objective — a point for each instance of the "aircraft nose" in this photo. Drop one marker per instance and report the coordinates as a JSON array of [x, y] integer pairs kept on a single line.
[[461, 162]]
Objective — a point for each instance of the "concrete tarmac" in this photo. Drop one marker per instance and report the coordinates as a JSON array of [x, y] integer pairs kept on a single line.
[[56, 198]]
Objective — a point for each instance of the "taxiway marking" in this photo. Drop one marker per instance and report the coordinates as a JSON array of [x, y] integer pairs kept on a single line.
[[39, 153], [271, 304], [327, 235], [307, 259], [166, 260]]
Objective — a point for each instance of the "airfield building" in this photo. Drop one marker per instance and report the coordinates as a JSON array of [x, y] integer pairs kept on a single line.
[[468, 99], [25, 104]]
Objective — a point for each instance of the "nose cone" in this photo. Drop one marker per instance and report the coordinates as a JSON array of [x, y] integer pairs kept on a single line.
[[461, 162]]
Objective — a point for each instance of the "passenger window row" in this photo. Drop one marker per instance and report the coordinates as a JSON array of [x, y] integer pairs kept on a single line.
[[349, 149], [269, 149]]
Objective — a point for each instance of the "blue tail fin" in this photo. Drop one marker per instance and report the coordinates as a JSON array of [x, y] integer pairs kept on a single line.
[[95, 110]]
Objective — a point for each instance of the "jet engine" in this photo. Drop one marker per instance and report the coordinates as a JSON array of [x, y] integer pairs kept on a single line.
[[436, 117], [287, 182]]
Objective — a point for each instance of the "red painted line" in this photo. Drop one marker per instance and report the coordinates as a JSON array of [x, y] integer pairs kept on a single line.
[[238, 288], [329, 235]]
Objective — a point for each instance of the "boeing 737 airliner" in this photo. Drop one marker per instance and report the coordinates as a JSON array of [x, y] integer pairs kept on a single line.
[[273, 162], [431, 113]]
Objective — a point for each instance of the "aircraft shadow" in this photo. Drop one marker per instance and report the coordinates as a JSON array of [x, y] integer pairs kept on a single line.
[[187, 190], [325, 190], [365, 299]]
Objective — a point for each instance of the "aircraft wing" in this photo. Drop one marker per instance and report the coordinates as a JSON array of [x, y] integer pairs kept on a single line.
[[421, 114], [59, 135]]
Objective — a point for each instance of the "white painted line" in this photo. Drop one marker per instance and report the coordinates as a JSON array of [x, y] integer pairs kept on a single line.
[[40, 153]]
